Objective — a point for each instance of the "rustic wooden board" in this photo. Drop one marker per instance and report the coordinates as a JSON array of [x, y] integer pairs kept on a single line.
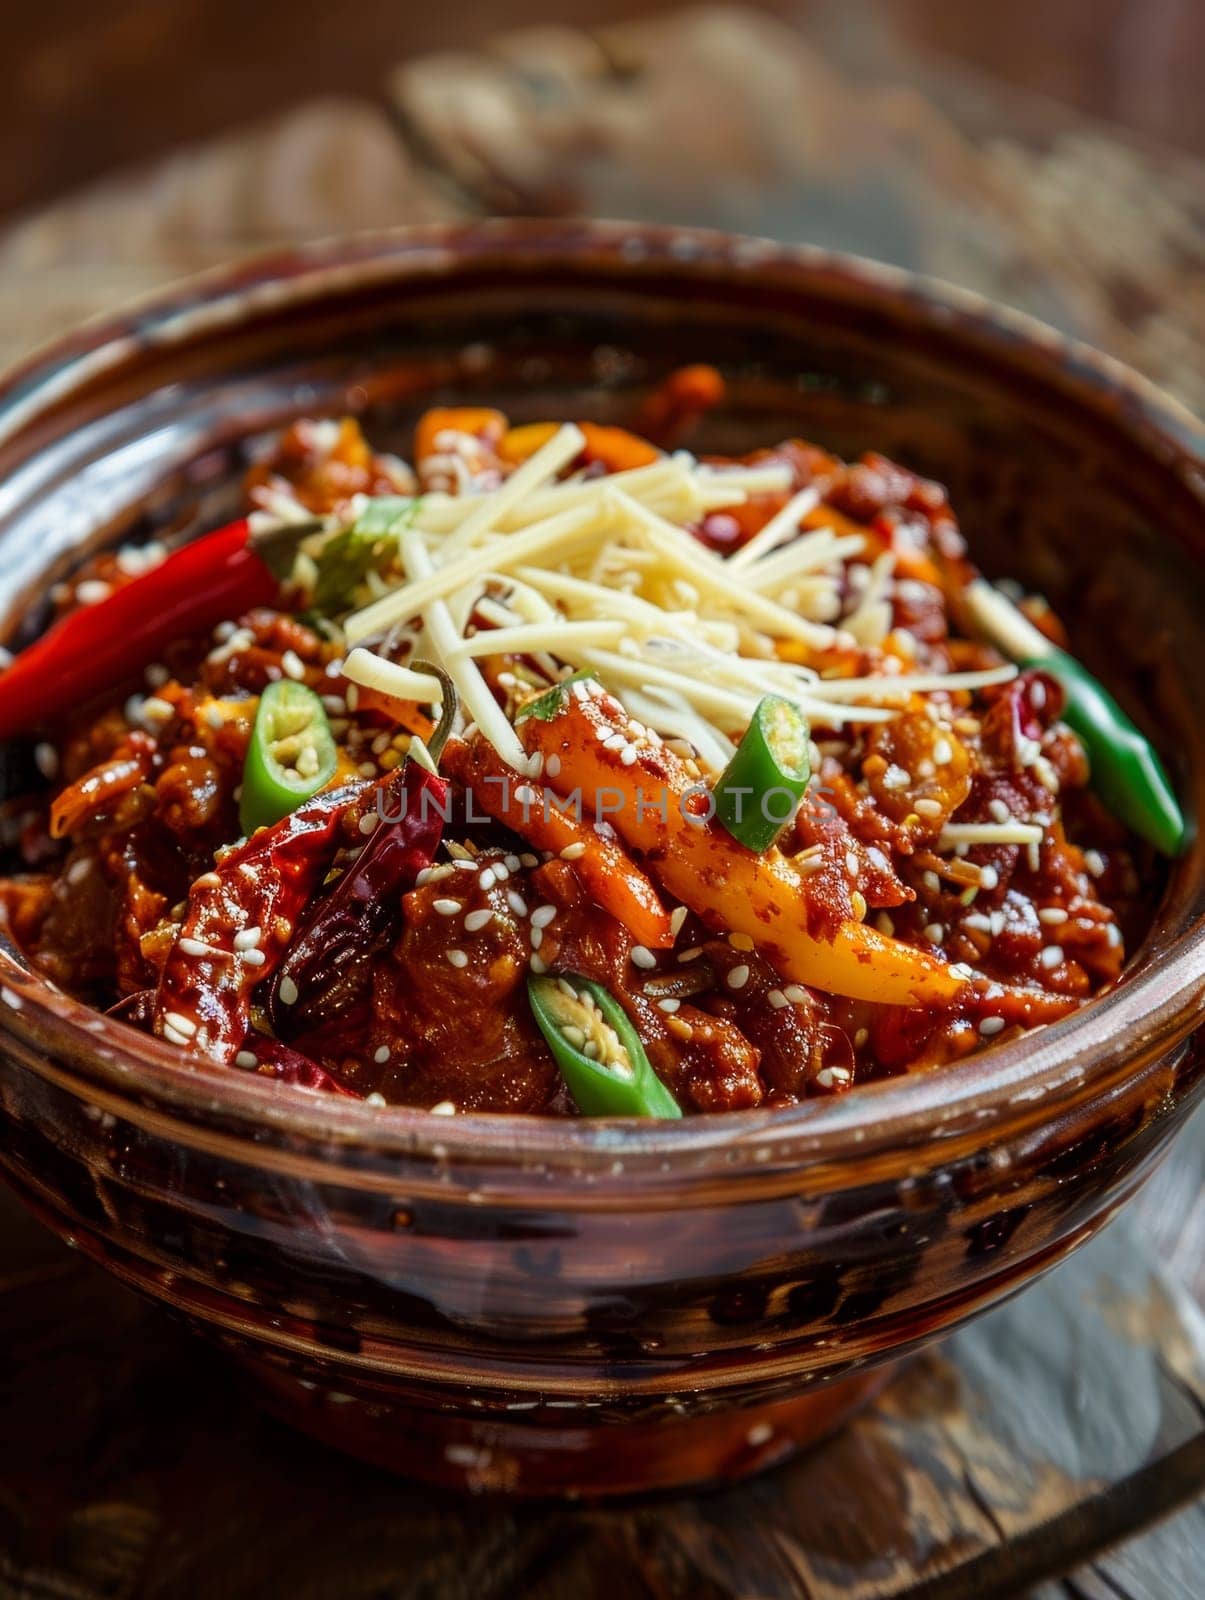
[[132, 1464]]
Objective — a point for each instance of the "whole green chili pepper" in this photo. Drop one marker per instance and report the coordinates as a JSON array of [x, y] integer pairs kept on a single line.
[[290, 757], [1126, 772], [761, 787], [597, 1049]]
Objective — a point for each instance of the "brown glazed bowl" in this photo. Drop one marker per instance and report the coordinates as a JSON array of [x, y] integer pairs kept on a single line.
[[550, 1306]]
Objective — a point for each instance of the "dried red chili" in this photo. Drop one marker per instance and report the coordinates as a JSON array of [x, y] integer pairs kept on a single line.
[[239, 921], [346, 921]]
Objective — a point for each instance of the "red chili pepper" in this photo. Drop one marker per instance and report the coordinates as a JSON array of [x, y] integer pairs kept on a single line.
[[198, 586], [347, 921], [286, 1065], [239, 921]]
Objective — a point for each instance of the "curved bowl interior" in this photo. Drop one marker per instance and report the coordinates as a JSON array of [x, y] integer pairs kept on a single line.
[[398, 1258]]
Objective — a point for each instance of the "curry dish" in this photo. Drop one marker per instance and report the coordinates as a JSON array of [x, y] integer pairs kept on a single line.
[[564, 771]]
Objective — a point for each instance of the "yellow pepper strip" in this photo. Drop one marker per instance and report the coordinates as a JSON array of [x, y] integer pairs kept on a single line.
[[732, 889]]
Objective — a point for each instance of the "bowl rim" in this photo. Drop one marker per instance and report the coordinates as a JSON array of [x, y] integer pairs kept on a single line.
[[121, 1067]]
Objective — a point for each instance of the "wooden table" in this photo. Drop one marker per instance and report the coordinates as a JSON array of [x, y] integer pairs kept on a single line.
[[132, 1465]]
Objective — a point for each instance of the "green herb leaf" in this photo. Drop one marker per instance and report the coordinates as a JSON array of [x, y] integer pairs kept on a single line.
[[546, 706], [346, 560]]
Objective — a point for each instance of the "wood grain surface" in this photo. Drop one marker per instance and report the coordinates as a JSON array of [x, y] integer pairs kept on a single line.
[[133, 1464]]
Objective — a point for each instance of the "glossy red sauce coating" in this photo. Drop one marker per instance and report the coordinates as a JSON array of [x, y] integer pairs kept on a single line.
[[115, 892]]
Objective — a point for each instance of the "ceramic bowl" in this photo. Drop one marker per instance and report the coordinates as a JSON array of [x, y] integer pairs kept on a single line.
[[576, 1306]]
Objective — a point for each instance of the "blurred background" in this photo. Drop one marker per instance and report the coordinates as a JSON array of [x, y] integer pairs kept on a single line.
[[1046, 152]]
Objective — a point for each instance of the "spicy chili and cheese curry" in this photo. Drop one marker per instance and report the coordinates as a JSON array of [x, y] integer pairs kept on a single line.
[[562, 771]]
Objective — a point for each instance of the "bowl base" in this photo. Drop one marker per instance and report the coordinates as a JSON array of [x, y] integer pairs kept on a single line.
[[560, 1453]]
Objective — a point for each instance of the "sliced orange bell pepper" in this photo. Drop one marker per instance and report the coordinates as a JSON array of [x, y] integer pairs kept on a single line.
[[616, 448], [733, 889], [483, 422], [607, 871]]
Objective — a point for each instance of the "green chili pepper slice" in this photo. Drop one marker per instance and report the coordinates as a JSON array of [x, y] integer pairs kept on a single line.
[[290, 757], [1125, 771], [597, 1049], [759, 790]]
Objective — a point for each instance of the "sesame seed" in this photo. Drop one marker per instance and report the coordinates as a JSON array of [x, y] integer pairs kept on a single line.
[[512, 863], [740, 941], [989, 878], [991, 1025], [46, 758], [376, 1098], [537, 963], [896, 777], [287, 991], [79, 870], [738, 977], [629, 755], [1095, 863], [92, 591], [934, 932], [542, 916], [516, 902], [476, 920], [998, 811], [692, 954], [851, 863], [528, 860], [181, 1023], [444, 1108], [248, 938], [448, 908], [931, 882], [926, 807], [943, 752], [669, 1006], [777, 999], [536, 935], [381, 1054], [457, 958], [642, 957], [574, 852], [676, 918], [1052, 956], [1052, 914], [246, 1058], [885, 925], [254, 958], [861, 1038], [796, 994]]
